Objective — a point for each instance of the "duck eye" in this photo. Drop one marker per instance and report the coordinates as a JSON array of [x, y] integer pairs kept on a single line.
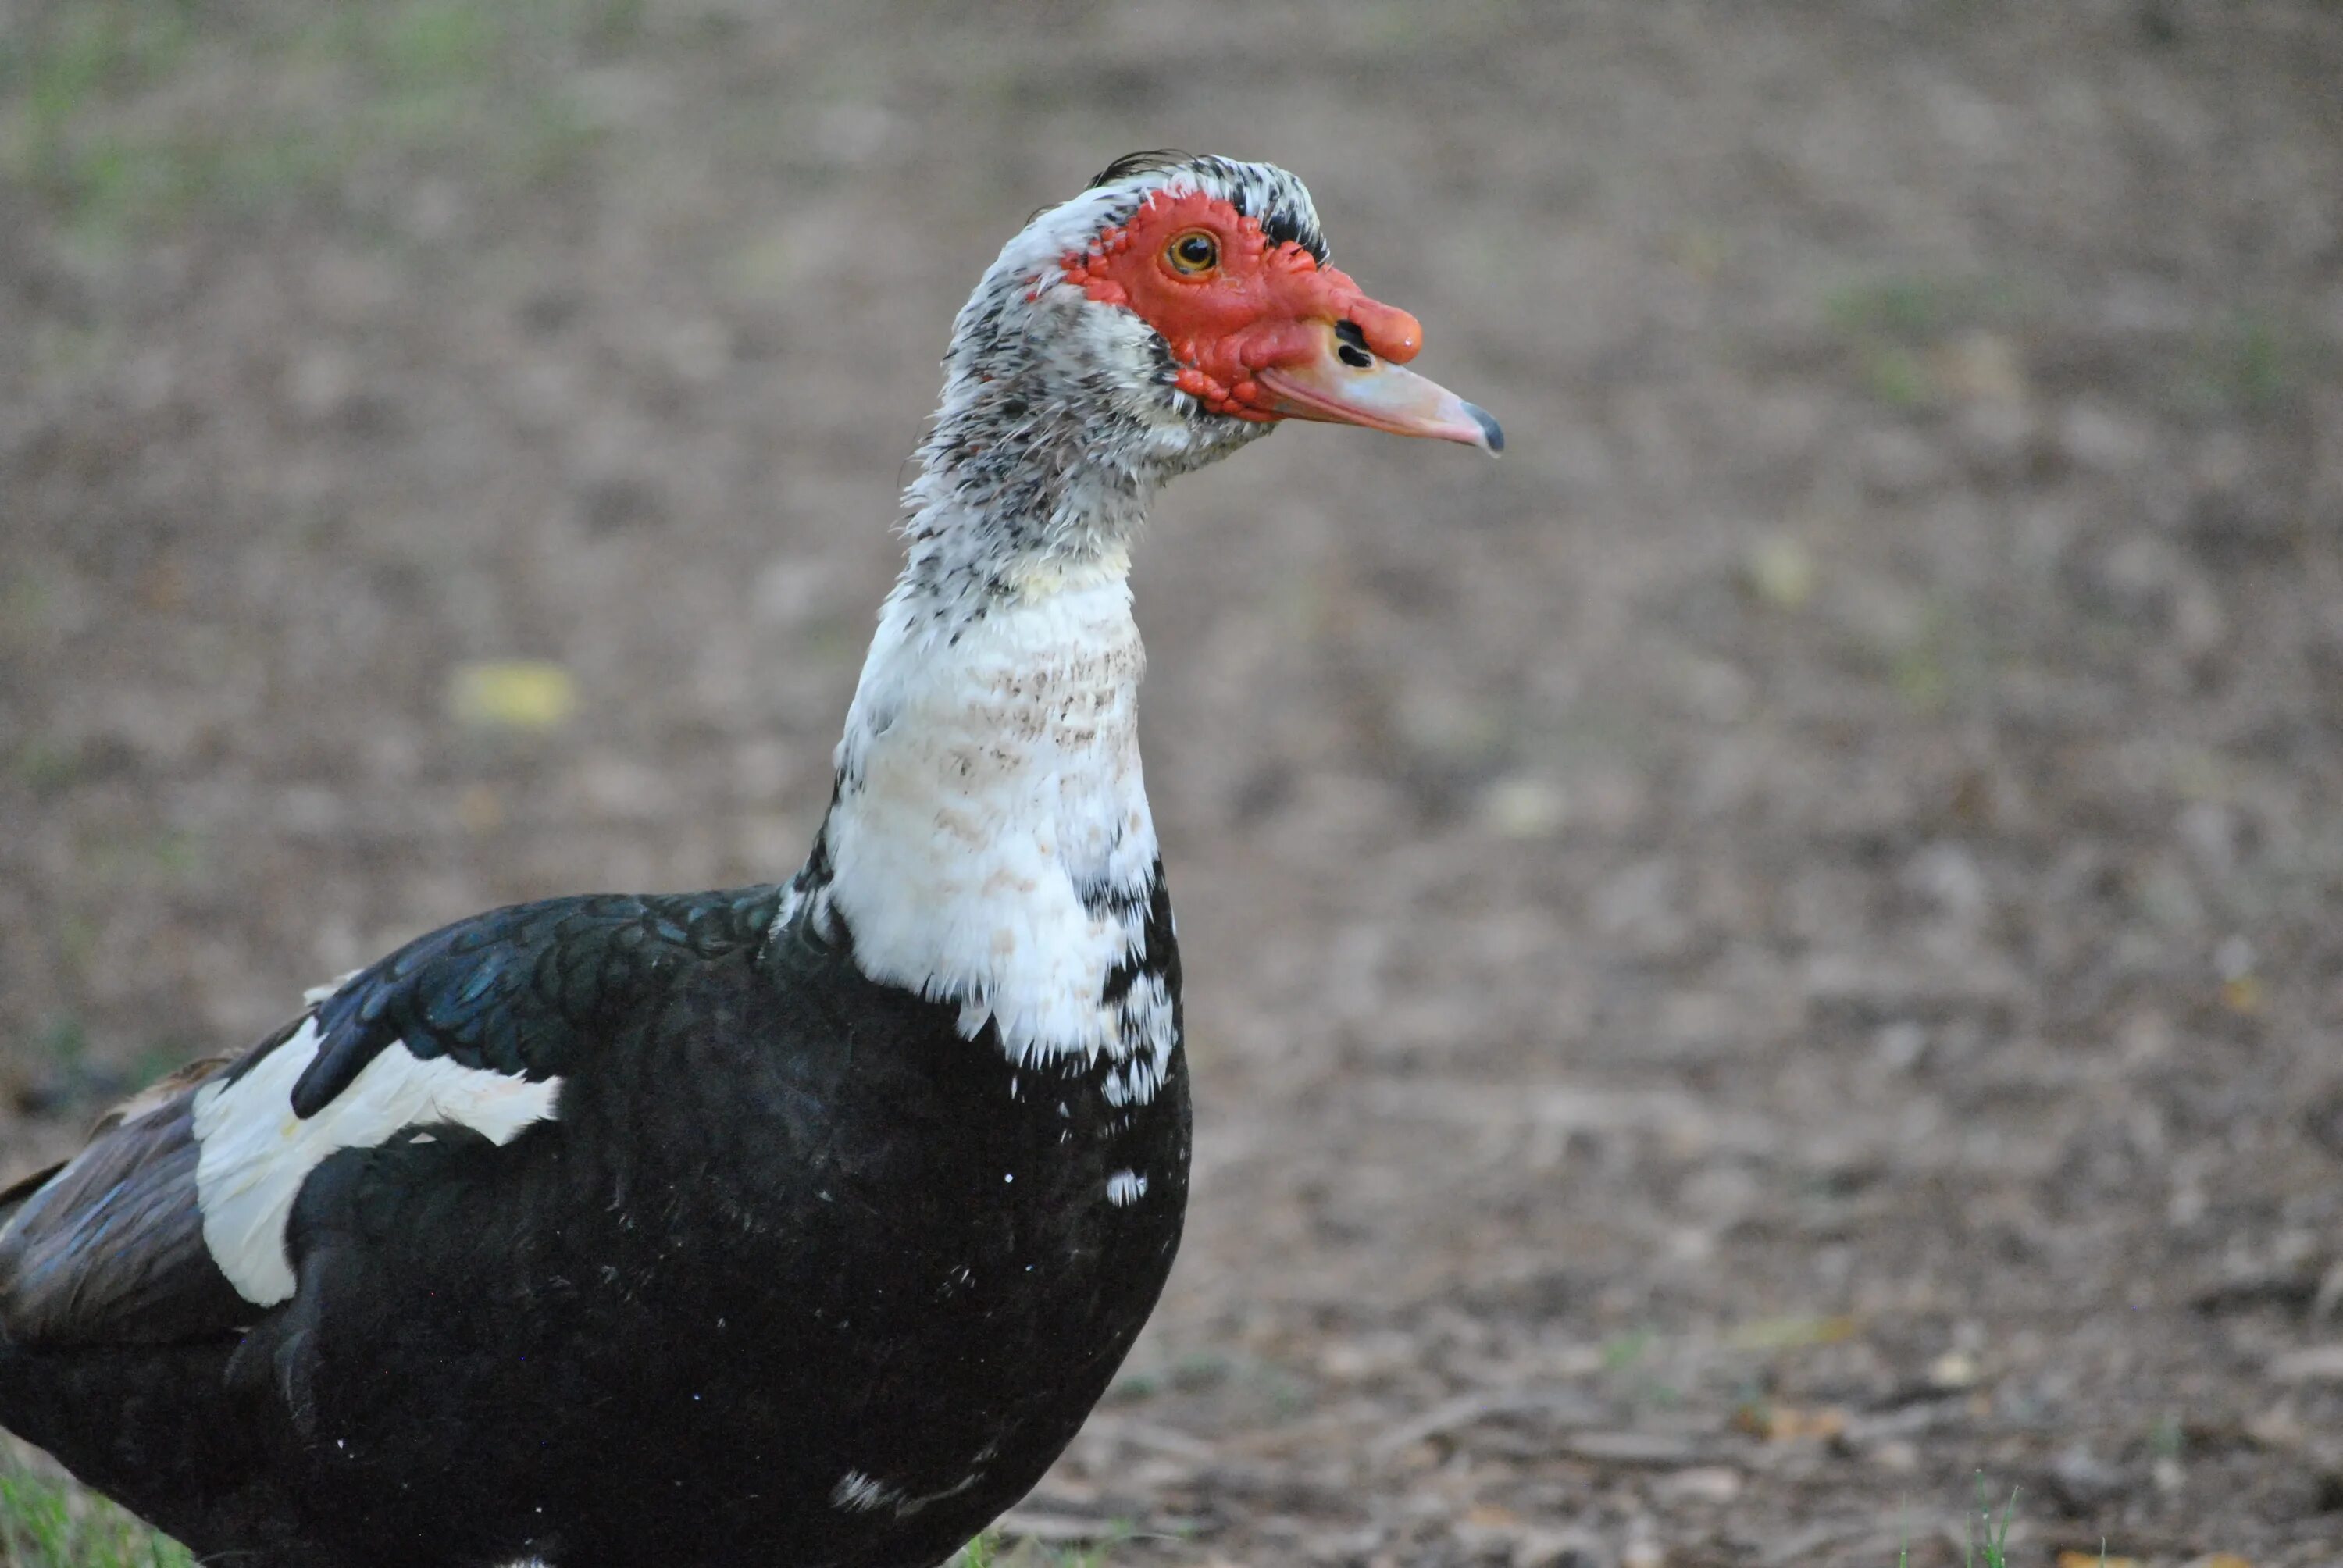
[[1194, 253]]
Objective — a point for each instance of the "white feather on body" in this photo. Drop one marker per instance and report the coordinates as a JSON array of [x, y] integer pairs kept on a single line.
[[1125, 1187], [990, 776], [859, 1494], [254, 1153]]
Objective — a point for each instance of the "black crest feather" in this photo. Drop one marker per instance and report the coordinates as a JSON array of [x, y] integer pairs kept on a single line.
[[1269, 196], [1144, 163]]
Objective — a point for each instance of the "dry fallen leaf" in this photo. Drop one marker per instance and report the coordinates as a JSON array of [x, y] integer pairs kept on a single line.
[[1523, 807], [1792, 1333], [1981, 367], [1780, 570], [2312, 1363], [1701, 1483], [1786, 1422], [480, 808], [526, 694]]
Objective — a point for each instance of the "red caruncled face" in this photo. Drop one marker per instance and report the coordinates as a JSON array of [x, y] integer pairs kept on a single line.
[[1228, 302], [1261, 331]]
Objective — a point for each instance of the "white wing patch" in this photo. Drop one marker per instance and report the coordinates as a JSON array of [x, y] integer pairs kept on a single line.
[[253, 1154]]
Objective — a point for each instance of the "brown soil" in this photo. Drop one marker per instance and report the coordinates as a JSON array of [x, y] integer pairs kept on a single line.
[[1772, 954]]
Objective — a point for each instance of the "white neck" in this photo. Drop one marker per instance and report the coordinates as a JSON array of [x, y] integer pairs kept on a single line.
[[989, 843]]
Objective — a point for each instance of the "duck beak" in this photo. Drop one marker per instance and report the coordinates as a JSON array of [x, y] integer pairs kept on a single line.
[[1343, 382]]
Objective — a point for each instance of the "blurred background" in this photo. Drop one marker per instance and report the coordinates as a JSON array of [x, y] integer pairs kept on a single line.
[[1767, 956]]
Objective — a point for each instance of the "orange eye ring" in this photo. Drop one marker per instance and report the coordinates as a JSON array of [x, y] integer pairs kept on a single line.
[[1193, 254]]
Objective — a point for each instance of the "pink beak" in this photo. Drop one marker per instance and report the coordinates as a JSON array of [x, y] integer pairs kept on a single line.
[[1345, 383]]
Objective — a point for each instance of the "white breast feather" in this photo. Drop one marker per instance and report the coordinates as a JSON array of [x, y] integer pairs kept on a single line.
[[998, 775], [253, 1154]]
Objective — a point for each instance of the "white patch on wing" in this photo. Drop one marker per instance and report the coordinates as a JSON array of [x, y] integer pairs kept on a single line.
[[254, 1155], [989, 776], [1125, 1187]]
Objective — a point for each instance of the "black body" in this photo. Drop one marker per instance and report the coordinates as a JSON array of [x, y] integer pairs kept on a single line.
[[787, 1224]]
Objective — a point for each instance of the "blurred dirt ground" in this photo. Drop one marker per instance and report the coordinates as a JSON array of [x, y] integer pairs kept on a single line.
[[1765, 961]]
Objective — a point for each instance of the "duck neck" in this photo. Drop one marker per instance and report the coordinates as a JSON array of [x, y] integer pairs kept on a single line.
[[989, 842]]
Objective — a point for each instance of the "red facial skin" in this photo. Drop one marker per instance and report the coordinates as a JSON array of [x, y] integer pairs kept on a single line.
[[1250, 311]]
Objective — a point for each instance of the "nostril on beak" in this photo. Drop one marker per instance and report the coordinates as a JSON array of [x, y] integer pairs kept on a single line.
[[1353, 350]]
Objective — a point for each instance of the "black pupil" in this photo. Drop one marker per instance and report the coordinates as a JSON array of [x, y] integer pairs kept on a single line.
[[1196, 250]]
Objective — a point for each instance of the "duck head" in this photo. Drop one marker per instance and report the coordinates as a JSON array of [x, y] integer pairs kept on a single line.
[[1177, 309]]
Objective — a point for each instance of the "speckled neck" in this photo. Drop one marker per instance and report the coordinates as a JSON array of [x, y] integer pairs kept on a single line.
[[989, 842]]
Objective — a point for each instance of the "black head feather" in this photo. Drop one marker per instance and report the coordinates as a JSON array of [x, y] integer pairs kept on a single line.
[[1143, 163], [1271, 195]]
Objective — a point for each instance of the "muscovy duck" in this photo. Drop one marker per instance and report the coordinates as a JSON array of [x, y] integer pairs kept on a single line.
[[800, 1223]]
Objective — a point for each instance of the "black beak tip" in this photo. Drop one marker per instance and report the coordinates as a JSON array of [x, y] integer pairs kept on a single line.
[[1490, 431]]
